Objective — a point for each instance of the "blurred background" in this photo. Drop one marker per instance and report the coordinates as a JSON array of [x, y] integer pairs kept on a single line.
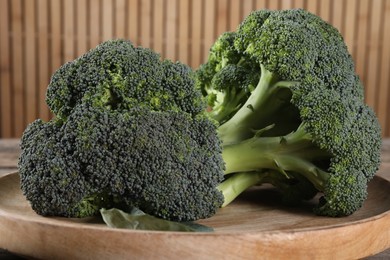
[[37, 36]]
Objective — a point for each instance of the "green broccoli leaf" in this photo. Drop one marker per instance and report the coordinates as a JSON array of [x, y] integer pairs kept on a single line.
[[138, 220]]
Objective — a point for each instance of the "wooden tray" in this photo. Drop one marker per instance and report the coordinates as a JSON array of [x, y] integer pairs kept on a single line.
[[256, 225]]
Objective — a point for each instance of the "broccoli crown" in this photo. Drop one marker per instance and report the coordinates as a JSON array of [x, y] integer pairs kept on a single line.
[[298, 46], [50, 175], [303, 115], [129, 131], [158, 161], [117, 74]]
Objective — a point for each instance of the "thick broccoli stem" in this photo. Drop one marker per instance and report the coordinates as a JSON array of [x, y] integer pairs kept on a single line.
[[262, 105], [238, 183], [294, 152]]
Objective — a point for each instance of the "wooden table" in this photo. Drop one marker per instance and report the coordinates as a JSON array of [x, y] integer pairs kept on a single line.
[[9, 152]]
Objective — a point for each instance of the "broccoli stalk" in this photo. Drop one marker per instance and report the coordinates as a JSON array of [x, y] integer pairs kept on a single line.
[[267, 98], [294, 152], [236, 184]]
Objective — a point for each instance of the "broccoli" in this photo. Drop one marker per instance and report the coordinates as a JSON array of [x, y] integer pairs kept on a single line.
[[128, 132], [132, 130], [291, 111], [117, 75]]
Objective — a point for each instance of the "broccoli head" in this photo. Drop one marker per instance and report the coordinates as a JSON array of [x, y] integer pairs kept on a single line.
[[131, 129], [304, 122], [118, 75], [128, 131], [50, 175]]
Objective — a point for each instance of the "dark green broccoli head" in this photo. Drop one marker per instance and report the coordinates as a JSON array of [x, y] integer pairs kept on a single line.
[[297, 47], [294, 44], [158, 161], [118, 75], [344, 193], [51, 176], [183, 167], [128, 131], [350, 132], [305, 118]]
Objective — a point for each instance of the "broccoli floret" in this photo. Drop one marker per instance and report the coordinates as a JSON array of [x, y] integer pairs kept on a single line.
[[128, 131], [158, 161], [118, 75], [304, 123], [50, 175], [131, 130], [226, 79], [183, 168]]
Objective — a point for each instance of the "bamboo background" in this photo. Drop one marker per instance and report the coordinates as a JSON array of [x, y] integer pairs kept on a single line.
[[37, 36]]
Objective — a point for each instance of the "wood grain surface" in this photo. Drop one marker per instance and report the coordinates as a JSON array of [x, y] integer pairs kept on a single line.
[[282, 228]]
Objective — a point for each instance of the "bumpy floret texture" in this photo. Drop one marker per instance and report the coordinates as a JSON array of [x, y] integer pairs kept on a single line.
[[119, 75], [129, 131], [157, 161], [303, 113]]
